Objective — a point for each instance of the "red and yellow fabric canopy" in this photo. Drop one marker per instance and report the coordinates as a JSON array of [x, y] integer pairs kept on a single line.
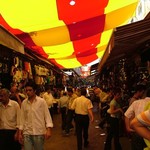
[[70, 33]]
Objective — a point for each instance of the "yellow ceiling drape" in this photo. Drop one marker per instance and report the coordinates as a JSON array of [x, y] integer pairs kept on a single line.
[[68, 35]]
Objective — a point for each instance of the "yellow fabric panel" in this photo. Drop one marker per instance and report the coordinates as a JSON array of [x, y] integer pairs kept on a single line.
[[68, 63], [52, 36], [117, 4], [28, 15], [100, 54], [59, 51], [105, 37], [119, 16]]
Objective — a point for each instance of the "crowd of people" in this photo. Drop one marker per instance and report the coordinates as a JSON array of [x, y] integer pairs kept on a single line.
[[130, 119], [27, 113]]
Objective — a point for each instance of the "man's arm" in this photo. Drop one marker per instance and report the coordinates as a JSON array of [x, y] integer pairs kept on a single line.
[[91, 115], [127, 123], [142, 130]]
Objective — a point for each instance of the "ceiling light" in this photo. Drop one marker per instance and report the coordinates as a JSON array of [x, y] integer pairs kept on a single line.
[[72, 2]]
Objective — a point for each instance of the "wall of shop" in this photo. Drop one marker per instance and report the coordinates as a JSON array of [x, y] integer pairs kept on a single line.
[[126, 72], [16, 67]]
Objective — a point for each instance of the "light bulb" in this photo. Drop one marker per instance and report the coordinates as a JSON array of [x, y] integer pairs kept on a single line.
[[72, 2]]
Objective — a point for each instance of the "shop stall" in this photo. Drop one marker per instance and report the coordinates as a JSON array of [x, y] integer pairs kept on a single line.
[[126, 62], [19, 64]]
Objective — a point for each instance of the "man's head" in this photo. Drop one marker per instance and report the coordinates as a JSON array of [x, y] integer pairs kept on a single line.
[[83, 91], [139, 90], [4, 96], [48, 88], [13, 90], [30, 89], [69, 91], [97, 91]]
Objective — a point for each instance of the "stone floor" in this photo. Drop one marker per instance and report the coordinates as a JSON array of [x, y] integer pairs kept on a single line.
[[96, 137]]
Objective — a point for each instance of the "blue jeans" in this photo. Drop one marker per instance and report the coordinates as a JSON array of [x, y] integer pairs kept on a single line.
[[34, 141]]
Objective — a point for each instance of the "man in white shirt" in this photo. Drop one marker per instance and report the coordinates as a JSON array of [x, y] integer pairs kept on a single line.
[[35, 122], [135, 109], [9, 122], [83, 113], [140, 124]]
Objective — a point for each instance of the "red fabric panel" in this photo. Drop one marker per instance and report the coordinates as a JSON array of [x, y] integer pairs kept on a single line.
[[82, 10], [85, 44], [31, 45], [87, 57], [86, 28], [25, 37], [39, 51]]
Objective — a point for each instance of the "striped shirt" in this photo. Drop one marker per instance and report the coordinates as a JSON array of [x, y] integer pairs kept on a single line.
[[136, 107]]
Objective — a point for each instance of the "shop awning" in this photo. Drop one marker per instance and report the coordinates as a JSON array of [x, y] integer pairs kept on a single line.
[[126, 40], [11, 41], [69, 33]]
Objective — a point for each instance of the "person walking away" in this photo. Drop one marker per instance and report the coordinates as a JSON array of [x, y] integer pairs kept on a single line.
[[9, 122], [137, 142], [62, 108], [115, 112], [35, 120], [83, 109]]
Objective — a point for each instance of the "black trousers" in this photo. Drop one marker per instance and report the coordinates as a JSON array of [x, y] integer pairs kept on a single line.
[[113, 132], [69, 118], [7, 141], [82, 125], [63, 117], [51, 111]]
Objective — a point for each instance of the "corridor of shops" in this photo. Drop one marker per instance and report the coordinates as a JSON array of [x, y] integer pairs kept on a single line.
[[50, 50]]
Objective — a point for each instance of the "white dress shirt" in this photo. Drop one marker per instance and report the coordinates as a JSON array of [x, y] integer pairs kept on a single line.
[[10, 115], [81, 105], [35, 117], [136, 107]]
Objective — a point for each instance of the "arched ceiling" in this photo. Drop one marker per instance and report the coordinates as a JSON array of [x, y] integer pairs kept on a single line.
[[69, 33]]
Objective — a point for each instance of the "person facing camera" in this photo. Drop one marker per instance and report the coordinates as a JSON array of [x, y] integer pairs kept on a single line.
[[35, 121]]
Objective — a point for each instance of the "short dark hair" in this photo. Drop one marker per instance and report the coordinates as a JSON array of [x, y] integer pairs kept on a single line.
[[83, 91], [69, 90], [47, 87], [32, 84], [64, 93]]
